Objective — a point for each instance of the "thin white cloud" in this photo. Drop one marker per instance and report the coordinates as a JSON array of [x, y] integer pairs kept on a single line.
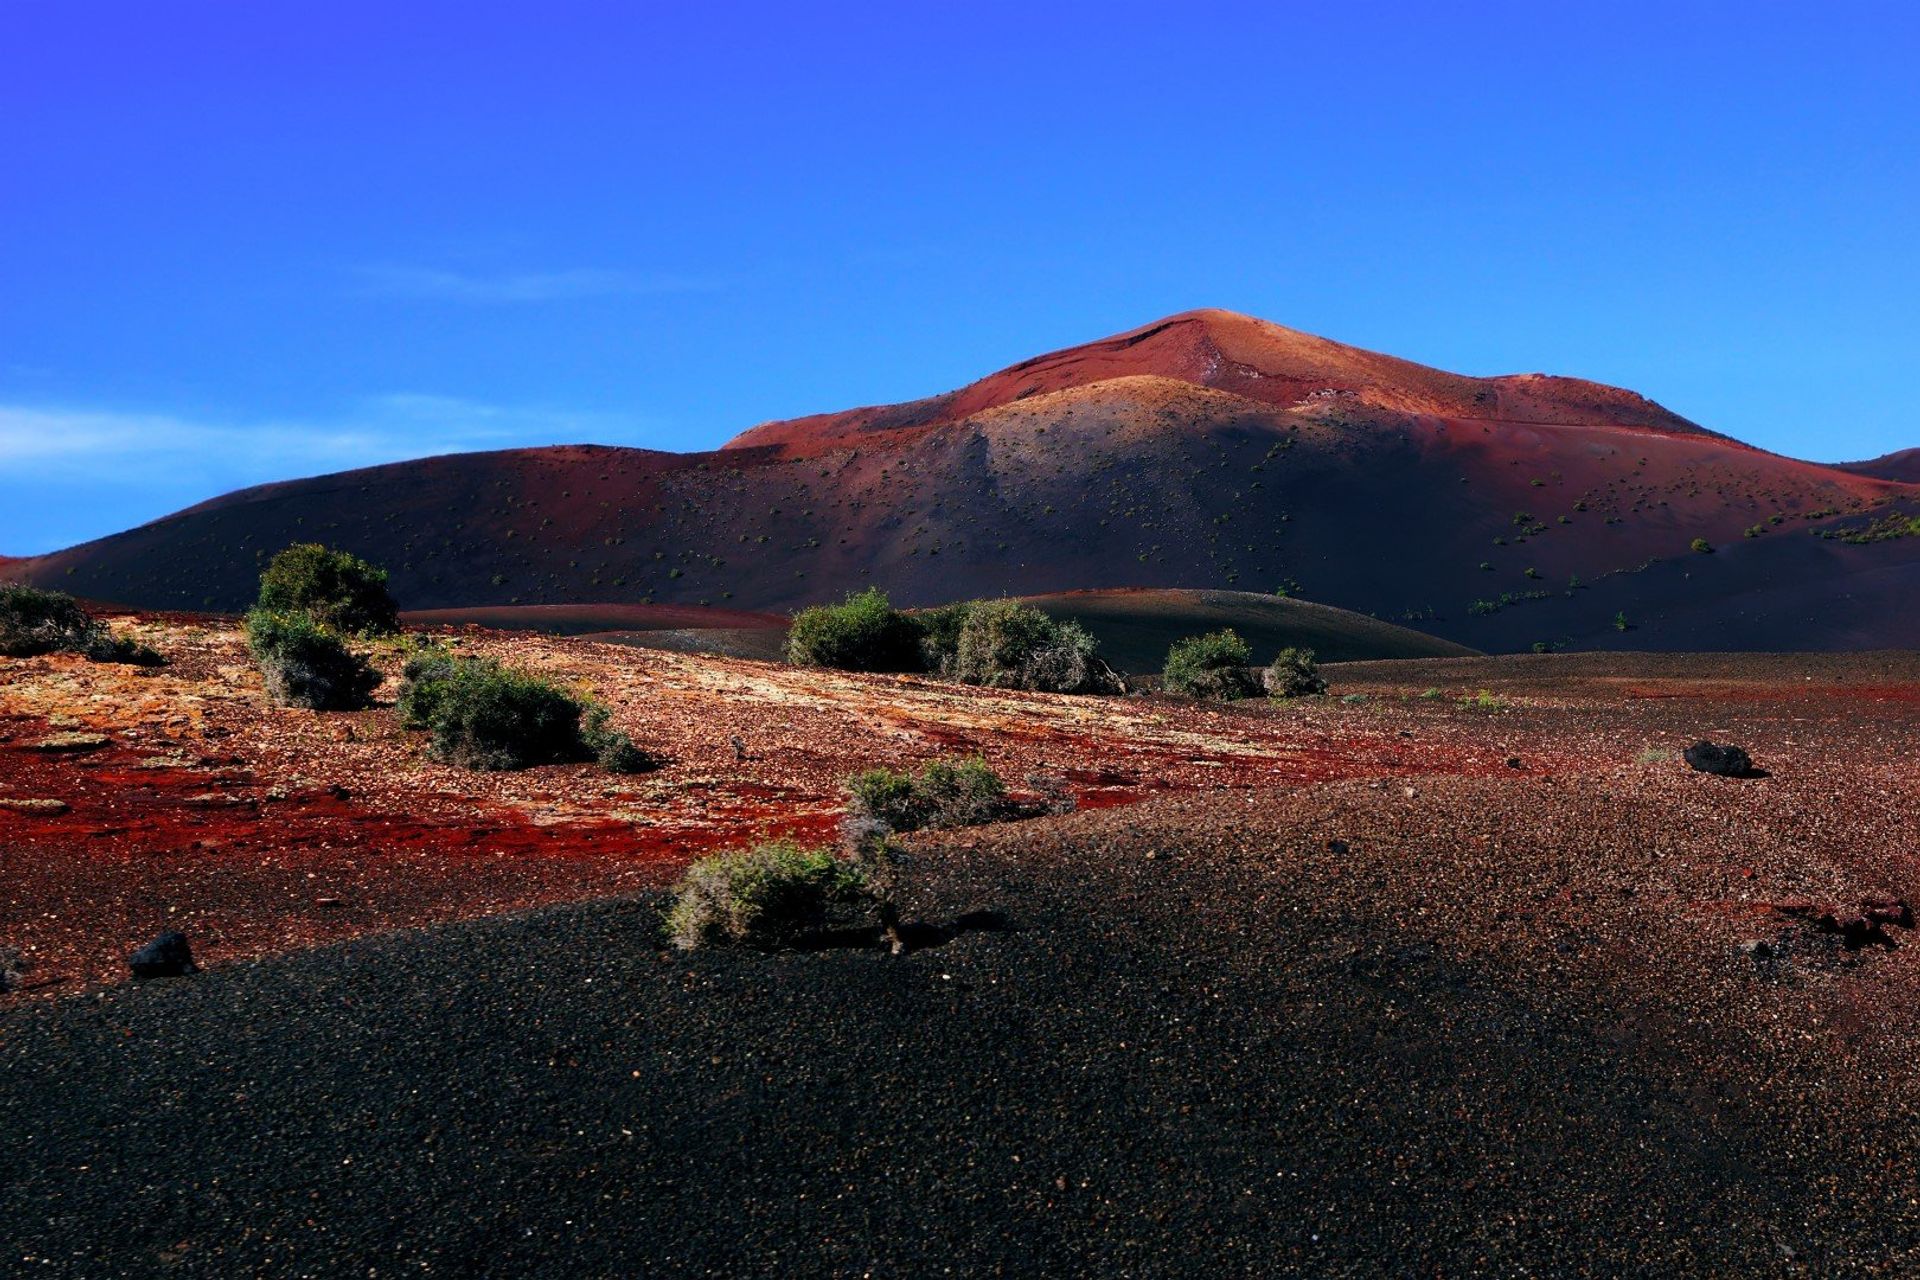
[[396, 280], [116, 448]]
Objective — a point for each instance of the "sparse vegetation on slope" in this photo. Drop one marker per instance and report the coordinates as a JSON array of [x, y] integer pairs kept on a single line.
[[1009, 645], [33, 621], [942, 795], [306, 664], [772, 896], [1214, 665], [337, 590], [862, 633], [1294, 674], [487, 716]]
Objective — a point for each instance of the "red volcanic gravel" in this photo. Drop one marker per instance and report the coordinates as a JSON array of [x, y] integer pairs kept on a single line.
[[258, 829]]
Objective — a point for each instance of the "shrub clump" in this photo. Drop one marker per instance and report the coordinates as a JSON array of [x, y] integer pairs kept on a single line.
[[863, 633], [1214, 665], [335, 589], [771, 896], [943, 795], [307, 665], [33, 621], [487, 716], [1294, 673], [1008, 645]]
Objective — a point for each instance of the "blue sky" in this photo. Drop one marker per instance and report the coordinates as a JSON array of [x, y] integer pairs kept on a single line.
[[244, 241]]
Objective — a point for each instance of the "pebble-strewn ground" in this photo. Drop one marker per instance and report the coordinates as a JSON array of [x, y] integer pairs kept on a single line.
[[258, 829], [1391, 986]]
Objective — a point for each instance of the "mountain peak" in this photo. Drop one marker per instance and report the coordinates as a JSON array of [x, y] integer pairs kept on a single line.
[[1246, 356]]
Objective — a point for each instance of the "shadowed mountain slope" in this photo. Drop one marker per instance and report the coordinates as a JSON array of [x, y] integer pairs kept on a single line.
[[1207, 451]]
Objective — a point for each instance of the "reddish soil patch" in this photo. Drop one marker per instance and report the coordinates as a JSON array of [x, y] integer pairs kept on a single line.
[[259, 829]]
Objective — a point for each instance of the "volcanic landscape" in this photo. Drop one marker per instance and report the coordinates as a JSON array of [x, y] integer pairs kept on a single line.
[[1459, 968]]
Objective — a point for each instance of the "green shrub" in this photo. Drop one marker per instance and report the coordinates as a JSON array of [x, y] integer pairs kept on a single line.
[[306, 665], [887, 796], [864, 633], [483, 715], [105, 646], [1212, 666], [612, 749], [1294, 674], [33, 621], [944, 795], [335, 589], [486, 716], [771, 896], [1008, 645], [424, 681], [1701, 547], [940, 634]]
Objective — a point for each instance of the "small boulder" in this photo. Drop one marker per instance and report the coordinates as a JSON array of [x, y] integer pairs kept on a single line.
[[167, 956], [12, 965], [1722, 761]]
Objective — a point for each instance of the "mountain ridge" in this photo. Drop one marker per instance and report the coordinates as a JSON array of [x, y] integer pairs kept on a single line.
[[1203, 451]]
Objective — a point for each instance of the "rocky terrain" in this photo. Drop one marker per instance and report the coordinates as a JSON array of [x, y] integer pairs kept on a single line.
[[1207, 450], [1460, 970]]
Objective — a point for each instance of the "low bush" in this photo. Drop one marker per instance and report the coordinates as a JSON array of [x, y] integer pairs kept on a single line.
[[105, 646], [612, 749], [33, 621], [486, 716], [1294, 673], [1214, 665], [307, 665], [1008, 645], [940, 634], [333, 588], [863, 633], [943, 795], [771, 896]]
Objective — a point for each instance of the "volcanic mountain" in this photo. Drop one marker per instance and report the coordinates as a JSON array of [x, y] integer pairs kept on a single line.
[[1207, 450]]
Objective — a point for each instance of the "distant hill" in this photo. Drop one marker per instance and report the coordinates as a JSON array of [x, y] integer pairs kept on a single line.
[[1903, 466], [1135, 627], [1205, 451]]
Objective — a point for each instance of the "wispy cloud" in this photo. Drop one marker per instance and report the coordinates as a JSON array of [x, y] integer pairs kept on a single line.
[[117, 447], [396, 280]]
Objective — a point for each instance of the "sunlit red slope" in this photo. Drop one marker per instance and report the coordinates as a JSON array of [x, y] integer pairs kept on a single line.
[[1208, 450], [1250, 358]]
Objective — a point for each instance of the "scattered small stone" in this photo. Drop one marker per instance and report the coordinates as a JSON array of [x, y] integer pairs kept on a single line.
[[1514, 762], [1757, 949], [72, 742], [12, 965], [327, 902], [167, 956], [739, 746], [23, 804], [1337, 846], [1726, 761]]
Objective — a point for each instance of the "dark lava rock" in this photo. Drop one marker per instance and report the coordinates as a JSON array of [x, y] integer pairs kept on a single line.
[[167, 956], [1722, 761], [11, 966]]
